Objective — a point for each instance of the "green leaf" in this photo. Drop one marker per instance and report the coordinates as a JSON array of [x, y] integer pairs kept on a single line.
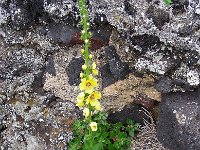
[[168, 2], [110, 146], [98, 146]]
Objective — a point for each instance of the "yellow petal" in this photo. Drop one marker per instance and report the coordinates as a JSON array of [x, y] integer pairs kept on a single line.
[[89, 91], [82, 85], [98, 106], [95, 71], [80, 104], [94, 102], [81, 96], [97, 95]]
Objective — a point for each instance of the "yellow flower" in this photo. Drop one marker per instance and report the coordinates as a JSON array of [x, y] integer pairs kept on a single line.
[[86, 112], [95, 71], [98, 106], [84, 67], [93, 98], [94, 65], [80, 99], [90, 56], [88, 85], [93, 126]]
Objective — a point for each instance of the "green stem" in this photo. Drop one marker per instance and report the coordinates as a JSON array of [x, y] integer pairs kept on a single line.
[[85, 35]]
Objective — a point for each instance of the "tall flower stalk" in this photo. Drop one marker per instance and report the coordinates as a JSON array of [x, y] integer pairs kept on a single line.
[[88, 99]]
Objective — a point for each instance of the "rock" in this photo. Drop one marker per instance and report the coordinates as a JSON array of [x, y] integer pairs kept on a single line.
[[106, 75], [179, 6], [163, 85], [100, 19], [132, 111], [130, 10], [145, 101], [118, 68], [159, 64], [74, 69], [146, 41], [41, 126], [23, 14], [21, 68], [60, 32], [50, 68], [159, 16], [59, 9], [178, 123], [100, 36], [18, 62], [153, 28]]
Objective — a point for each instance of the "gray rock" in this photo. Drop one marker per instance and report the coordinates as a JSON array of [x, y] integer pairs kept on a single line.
[[159, 16], [179, 122], [163, 85], [107, 76], [118, 68], [74, 69], [50, 68], [23, 14], [60, 32], [152, 27], [41, 126]]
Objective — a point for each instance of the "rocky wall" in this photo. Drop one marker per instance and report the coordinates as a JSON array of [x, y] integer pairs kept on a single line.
[[38, 51]]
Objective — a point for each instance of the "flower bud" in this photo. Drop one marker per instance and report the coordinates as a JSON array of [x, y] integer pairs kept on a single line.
[[84, 67], [90, 56], [82, 51], [86, 41], [81, 75]]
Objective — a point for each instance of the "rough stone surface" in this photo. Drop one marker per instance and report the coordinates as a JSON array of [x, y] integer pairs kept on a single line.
[[118, 68], [162, 36], [107, 76], [178, 124], [39, 38], [74, 69], [163, 85], [50, 67], [158, 34], [132, 111]]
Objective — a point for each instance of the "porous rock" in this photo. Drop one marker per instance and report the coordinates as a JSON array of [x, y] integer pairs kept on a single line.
[[178, 123]]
